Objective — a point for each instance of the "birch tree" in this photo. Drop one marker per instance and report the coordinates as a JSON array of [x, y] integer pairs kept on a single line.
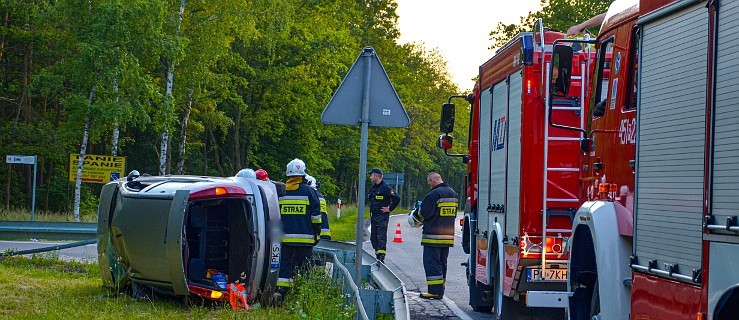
[[168, 103]]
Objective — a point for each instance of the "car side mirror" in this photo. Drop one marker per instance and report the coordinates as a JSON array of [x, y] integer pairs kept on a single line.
[[447, 118], [560, 72], [445, 142]]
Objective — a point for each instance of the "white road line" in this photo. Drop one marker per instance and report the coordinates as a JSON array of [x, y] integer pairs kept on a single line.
[[457, 311]]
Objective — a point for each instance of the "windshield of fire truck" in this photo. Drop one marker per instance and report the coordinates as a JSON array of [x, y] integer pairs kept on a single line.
[[602, 78]]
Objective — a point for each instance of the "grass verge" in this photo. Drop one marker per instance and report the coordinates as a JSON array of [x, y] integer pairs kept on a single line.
[[44, 287], [25, 215], [345, 228]]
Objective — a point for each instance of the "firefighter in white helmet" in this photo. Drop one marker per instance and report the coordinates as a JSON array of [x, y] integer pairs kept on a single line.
[[325, 231], [300, 212], [247, 173]]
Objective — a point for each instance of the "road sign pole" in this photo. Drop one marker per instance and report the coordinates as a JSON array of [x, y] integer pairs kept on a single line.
[[367, 53], [33, 197]]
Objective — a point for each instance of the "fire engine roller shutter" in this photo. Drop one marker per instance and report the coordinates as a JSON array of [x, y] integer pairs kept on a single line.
[[483, 171], [498, 150], [726, 139], [671, 141], [513, 191]]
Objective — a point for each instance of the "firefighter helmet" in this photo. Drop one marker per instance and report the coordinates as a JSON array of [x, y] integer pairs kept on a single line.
[[247, 173], [133, 175], [295, 168], [414, 217], [311, 181], [262, 175]]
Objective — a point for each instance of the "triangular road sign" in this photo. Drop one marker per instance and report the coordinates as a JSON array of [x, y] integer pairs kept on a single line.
[[385, 108]]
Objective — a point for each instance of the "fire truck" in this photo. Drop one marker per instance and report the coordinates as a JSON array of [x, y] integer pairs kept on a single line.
[[522, 179], [658, 237]]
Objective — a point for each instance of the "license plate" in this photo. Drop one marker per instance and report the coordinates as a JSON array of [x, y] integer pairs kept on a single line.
[[535, 275], [274, 261]]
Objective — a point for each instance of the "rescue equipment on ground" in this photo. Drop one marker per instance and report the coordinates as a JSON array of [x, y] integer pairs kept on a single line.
[[237, 296]]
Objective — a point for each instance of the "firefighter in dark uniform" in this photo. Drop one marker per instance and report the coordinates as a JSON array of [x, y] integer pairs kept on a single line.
[[300, 212], [438, 213], [325, 230], [382, 200]]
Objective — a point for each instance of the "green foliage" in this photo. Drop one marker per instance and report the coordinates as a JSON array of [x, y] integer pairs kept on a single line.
[[250, 77], [315, 296], [558, 15], [44, 287]]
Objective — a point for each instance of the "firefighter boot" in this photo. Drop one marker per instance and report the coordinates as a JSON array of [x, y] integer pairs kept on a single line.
[[431, 296], [381, 257]]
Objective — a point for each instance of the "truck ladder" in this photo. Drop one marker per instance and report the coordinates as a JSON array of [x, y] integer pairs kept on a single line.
[[547, 138]]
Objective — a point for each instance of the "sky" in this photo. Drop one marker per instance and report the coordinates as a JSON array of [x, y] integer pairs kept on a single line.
[[459, 29]]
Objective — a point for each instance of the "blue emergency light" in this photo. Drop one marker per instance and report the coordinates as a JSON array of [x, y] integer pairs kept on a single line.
[[527, 49]]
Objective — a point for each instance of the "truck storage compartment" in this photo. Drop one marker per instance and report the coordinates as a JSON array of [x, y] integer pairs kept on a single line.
[[219, 236]]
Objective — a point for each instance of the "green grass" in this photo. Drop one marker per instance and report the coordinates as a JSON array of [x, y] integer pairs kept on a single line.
[[24, 215], [43, 287], [345, 229]]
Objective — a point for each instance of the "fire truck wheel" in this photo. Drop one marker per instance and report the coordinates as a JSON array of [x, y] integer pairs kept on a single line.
[[595, 302]]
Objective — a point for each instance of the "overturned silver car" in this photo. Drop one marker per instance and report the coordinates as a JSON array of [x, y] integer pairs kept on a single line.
[[189, 235]]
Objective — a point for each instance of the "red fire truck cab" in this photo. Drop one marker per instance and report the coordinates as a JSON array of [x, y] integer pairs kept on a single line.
[[658, 237], [523, 178]]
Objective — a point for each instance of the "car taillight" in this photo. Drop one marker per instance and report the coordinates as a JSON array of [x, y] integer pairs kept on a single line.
[[461, 222], [207, 293], [218, 192]]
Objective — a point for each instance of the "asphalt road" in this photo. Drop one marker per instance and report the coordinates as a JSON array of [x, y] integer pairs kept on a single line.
[[406, 260]]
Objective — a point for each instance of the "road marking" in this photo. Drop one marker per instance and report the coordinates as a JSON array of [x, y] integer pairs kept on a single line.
[[457, 311]]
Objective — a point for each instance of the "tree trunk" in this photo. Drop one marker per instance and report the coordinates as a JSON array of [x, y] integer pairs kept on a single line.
[[167, 97], [11, 148], [116, 128], [237, 144], [205, 151], [216, 152], [83, 149], [5, 27], [48, 186], [183, 134]]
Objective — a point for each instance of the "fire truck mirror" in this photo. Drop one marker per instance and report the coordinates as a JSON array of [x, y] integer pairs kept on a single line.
[[445, 142], [447, 118], [585, 145], [561, 70]]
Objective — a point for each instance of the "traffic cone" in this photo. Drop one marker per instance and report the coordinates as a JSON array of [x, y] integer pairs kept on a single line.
[[398, 238]]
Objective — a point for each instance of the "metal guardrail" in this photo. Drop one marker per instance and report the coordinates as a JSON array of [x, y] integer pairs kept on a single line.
[[47, 230], [390, 295]]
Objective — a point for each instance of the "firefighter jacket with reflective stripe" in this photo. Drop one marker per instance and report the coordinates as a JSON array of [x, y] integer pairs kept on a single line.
[[439, 212], [325, 231], [382, 195], [300, 211]]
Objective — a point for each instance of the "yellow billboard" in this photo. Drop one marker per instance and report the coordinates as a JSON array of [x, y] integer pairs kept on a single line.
[[97, 169]]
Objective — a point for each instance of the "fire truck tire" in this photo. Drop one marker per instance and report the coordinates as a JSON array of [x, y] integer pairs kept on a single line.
[[466, 235]]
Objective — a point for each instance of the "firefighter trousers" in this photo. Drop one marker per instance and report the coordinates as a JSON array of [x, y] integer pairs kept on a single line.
[[292, 259], [434, 263], [378, 235]]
